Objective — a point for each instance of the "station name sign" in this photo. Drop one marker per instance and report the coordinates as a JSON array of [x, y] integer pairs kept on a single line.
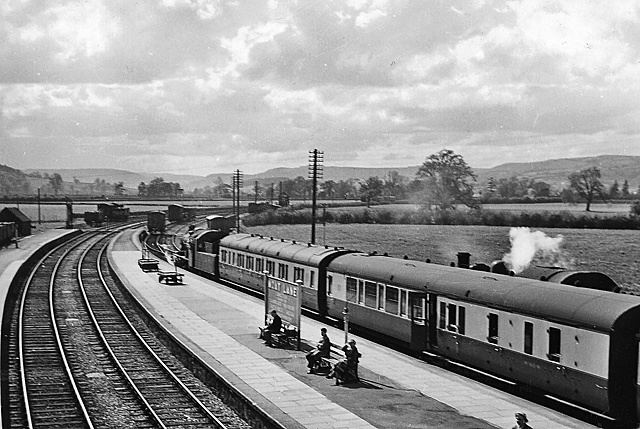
[[280, 286]]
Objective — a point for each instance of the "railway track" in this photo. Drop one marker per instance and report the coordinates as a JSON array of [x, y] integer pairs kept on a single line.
[[80, 357]]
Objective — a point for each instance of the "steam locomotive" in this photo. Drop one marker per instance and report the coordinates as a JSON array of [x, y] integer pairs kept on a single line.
[[579, 344]]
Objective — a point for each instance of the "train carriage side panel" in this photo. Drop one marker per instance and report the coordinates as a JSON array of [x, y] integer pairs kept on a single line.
[[284, 259], [573, 328], [519, 346], [623, 368]]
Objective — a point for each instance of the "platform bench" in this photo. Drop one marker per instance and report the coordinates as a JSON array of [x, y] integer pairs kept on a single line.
[[287, 337], [148, 264], [170, 277]]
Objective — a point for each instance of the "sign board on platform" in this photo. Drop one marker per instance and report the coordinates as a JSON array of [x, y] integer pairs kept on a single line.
[[284, 297]]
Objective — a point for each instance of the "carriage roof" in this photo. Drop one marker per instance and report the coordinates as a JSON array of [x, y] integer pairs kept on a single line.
[[302, 253], [590, 308]]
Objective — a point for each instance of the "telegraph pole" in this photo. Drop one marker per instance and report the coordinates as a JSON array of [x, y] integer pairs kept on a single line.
[[237, 184], [256, 189], [316, 159]]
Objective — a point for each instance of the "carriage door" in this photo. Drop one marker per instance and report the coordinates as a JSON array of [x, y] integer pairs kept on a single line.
[[419, 333]]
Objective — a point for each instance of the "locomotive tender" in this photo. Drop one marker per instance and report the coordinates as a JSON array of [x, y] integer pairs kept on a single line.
[[575, 343]]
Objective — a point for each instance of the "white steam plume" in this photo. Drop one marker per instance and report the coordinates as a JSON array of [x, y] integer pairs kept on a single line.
[[527, 246]]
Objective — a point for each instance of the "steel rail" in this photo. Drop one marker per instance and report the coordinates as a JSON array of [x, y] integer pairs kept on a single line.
[[141, 340], [23, 373], [112, 354]]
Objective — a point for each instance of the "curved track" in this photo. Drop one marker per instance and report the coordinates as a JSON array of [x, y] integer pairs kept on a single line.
[[80, 357]]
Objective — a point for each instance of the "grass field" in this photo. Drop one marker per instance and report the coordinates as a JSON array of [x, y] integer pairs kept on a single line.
[[613, 252], [597, 209]]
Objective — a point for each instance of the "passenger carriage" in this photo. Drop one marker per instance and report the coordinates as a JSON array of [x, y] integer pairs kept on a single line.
[[244, 258], [578, 344]]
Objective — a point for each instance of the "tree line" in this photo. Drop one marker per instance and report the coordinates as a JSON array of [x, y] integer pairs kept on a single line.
[[443, 181]]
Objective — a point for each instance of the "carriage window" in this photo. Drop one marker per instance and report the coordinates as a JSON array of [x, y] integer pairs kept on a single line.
[[360, 292], [298, 274], [271, 267], [451, 320], [417, 308], [528, 338], [233, 258], [313, 279], [283, 271], [250, 263], [380, 297], [493, 328], [223, 255], [241, 261], [443, 315], [403, 303], [370, 294], [554, 345], [259, 265], [462, 320], [352, 289], [329, 284], [391, 305]]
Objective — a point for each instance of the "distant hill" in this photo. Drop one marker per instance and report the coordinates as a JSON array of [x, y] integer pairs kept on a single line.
[[130, 179], [554, 172]]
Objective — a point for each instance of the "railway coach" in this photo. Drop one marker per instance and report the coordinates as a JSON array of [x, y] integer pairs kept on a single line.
[[244, 257], [575, 343], [579, 344]]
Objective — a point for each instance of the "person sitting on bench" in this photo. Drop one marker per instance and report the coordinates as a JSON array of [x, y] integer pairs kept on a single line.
[[272, 328], [322, 350], [346, 370]]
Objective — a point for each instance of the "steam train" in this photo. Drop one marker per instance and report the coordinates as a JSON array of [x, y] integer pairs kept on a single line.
[[579, 344]]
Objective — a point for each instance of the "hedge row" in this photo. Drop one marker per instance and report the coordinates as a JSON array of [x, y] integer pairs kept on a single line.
[[543, 219]]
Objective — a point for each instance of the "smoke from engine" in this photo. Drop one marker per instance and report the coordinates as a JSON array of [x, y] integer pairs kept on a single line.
[[527, 245]]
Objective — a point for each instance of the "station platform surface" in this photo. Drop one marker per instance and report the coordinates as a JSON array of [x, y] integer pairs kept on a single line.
[[395, 391], [12, 257]]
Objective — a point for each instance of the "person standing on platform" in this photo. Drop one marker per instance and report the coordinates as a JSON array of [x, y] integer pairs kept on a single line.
[[272, 328], [521, 421], [322, 350]]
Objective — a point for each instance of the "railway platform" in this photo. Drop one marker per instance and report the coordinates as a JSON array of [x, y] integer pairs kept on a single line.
[[12, 257], [395, 391]]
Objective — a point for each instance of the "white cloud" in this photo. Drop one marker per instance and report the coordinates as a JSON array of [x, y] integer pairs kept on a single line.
[[246, 38], [359, 79], [81, 29], [205, 9]]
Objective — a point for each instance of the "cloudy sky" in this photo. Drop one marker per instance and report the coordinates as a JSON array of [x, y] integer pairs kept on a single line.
[[210, 86]]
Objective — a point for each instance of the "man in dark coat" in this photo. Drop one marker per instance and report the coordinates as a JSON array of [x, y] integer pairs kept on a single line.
[[273, 327], [322, 350]]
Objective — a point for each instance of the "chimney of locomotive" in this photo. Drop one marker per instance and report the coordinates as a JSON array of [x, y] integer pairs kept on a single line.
[[463, 259]]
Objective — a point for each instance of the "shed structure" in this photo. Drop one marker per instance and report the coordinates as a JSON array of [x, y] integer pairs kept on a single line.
[[13, 214]]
